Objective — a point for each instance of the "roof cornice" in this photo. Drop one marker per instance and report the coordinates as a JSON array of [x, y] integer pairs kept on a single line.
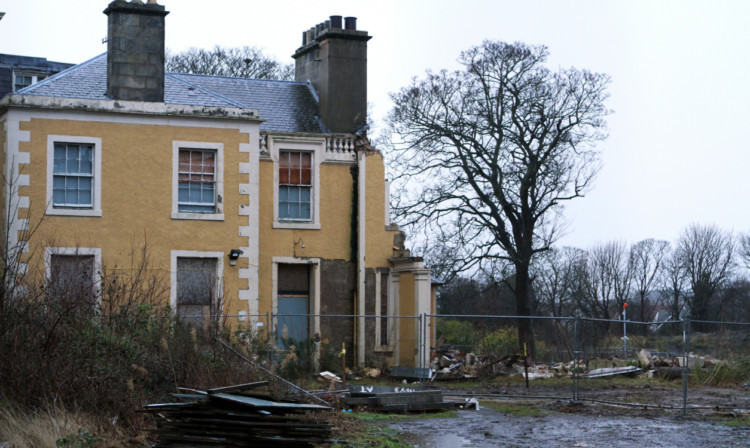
[[128, 107]]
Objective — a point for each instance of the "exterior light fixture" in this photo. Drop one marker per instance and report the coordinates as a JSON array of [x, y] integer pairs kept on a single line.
[[234, 254]]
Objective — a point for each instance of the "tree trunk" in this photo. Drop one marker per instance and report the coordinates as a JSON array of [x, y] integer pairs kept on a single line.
[[525, 328]]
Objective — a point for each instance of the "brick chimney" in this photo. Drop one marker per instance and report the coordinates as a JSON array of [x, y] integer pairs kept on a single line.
[[135, 50], [334, 59]]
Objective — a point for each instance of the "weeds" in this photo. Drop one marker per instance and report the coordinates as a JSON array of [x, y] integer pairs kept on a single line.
[[111, 360]]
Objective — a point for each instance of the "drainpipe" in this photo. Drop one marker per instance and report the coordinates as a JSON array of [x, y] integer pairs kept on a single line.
[[361, 221]]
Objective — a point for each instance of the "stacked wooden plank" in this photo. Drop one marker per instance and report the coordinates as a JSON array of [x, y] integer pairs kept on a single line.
[[231, 417], [396, 399]]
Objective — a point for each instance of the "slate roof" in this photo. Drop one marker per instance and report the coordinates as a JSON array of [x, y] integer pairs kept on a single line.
[[286, 106]]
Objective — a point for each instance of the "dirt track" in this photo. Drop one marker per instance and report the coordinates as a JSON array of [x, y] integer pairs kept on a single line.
[[589, 424], [490, 428]]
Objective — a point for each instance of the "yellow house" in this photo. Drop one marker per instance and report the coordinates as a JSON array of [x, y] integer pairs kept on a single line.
[[261, 201]]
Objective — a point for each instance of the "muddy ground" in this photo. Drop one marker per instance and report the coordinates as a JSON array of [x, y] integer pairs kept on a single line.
[[588, 424]]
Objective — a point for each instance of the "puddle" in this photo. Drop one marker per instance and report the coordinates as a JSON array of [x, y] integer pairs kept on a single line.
[[490, 428]]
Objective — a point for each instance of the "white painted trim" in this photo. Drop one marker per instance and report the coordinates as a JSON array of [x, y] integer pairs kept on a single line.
[[13, 202], [422, 289], [96, 209], [317, 147], [249, 228], [314, 290], [177, 145], [175, 254], [73, 251]]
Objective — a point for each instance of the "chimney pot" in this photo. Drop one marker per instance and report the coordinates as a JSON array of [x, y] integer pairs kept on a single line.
[[337, 69], [152, 2], [304, 38]]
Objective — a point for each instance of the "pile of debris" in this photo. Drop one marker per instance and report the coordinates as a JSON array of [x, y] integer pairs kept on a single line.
[[231, 416], [454, 365]]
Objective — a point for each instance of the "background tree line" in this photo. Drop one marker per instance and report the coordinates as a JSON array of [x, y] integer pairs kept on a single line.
[[702, 275]]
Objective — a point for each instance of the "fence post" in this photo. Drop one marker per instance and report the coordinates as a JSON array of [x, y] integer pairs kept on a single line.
[[425, 345], [685, 361], [272, 343], [419, 344], [268, 340], [576, 354]]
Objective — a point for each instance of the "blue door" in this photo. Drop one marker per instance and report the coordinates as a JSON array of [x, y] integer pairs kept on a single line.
[[292, 321]]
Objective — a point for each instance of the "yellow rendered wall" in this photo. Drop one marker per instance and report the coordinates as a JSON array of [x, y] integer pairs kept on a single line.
[[379, 242], [407, 327], [136, 198], [332, 241]]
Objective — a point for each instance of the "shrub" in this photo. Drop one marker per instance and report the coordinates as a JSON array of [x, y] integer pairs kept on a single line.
[[500, 342], [455, 332]]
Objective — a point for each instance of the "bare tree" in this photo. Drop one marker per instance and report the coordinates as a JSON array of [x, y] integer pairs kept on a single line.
[[647, 260], [492, 152], [707, 256], [245, 62], [745, 249], [555, 277], [674, 283], [611, 273]]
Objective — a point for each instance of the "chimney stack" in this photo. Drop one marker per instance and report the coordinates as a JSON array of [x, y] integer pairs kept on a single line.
[[334, 60], [135, 50]]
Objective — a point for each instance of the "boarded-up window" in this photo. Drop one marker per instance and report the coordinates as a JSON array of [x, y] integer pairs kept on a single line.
[[295, 186], [196, 289], [72, 282]]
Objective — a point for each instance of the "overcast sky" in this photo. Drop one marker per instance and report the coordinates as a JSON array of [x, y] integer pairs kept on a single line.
[[678, 147]]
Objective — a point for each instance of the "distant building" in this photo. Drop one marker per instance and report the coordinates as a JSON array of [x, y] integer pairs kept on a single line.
[[17, 72]]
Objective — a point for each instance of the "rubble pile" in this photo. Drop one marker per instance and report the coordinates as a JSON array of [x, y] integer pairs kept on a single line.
[[233, 416], [454, 365]]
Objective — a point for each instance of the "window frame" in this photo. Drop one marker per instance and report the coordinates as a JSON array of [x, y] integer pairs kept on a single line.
[[96, 188], [317, 149], [35, 78], [218, 214], [300, 187]]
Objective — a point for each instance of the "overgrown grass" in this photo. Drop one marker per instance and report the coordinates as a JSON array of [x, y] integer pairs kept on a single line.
[[55, 426], [107, 361], [517, 410]]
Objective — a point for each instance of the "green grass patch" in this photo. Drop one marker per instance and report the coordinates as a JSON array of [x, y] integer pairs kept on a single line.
[[518, 410], [377, 416], [373, 436], [738, 421]]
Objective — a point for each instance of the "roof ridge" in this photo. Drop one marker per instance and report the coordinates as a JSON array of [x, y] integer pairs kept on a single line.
[[206, 91], [62, 74], [240, 78]]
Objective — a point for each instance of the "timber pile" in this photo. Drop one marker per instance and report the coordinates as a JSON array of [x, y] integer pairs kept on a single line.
[[232, 417]]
